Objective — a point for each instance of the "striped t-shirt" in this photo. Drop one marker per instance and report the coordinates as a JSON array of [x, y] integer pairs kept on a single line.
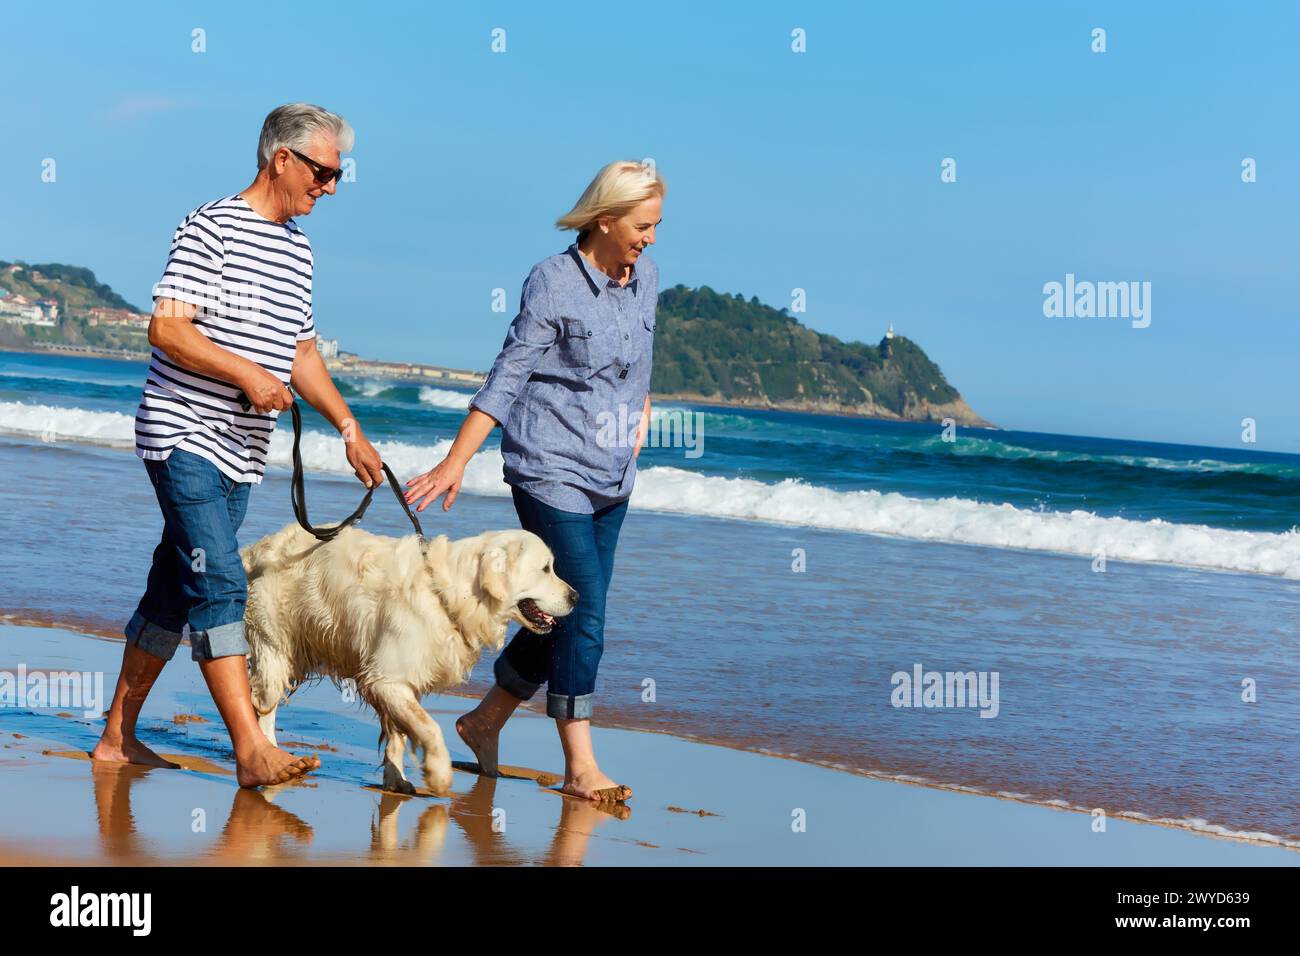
[[251, 280]]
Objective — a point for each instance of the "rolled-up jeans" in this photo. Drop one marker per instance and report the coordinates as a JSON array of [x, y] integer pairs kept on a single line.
[[197, 577], [565, 659]]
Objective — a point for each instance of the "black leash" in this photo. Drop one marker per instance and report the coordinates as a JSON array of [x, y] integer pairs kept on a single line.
[[298, 492]]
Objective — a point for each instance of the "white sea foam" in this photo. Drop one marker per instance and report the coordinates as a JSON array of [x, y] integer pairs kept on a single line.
[[444, 397], [55, 423], [964, 521], [427, 395], [955, 520], [323, 453]]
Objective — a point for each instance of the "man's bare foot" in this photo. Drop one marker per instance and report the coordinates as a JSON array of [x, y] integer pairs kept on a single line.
[[271, 765], [594, 785], [129, 750], [481, 738]]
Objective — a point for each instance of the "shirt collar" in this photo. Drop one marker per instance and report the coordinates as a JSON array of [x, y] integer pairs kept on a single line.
[[596, 279]]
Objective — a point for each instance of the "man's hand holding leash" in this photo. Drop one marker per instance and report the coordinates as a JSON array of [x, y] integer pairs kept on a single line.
[[264, 391], [312, 382]]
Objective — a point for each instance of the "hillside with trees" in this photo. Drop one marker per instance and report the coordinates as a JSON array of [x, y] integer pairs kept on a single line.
[[714, 347]]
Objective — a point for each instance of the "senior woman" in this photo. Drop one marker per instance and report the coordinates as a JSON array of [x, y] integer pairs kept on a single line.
[[573, 373]]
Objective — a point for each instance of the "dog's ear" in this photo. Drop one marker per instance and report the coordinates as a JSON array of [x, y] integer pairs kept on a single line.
[[492, 573]]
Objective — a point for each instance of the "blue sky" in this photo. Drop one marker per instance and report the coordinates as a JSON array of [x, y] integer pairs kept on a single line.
[[818, 171]]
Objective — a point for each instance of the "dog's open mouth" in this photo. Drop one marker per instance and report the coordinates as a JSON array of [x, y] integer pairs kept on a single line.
[[535, 616]]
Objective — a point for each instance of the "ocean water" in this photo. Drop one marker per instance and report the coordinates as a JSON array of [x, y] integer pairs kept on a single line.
[[1138, 602], [1226, 509]]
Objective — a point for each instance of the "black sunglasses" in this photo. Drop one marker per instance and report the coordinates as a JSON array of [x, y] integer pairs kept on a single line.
[[321, 173]]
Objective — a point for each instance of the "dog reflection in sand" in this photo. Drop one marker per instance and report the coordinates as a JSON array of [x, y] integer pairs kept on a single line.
[[399, 619], [259, 832]]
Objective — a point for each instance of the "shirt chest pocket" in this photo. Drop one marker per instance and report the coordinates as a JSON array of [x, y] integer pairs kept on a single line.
[[584, 346], [647, 334]]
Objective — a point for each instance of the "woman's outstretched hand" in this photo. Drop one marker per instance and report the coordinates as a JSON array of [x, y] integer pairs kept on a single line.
[[445, 476]]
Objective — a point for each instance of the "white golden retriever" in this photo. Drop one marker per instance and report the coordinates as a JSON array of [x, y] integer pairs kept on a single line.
[[398, 620]]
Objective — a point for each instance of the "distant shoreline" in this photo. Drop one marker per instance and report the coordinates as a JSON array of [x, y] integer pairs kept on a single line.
[[693, 399], [118, 355], [86, 351]]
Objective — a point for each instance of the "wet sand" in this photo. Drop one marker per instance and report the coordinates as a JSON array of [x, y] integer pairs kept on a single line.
[[1117, 689], [694, 803]]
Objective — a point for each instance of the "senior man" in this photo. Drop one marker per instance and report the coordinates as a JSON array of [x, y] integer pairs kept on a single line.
[[232, 327]]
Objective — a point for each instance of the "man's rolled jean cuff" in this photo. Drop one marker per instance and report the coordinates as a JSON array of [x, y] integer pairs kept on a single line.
[[509, 680], [151, 638], [569, 707], [224, 640]]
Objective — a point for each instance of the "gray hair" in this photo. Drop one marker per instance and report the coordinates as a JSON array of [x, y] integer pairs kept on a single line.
[[295, 124]]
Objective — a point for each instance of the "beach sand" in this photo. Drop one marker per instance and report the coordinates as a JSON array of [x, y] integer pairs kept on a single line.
[[694, 803]]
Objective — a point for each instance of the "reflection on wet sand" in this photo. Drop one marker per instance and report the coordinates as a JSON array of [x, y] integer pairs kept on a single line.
[[257, 831], [422, 848], [578, 821], [485, 827], [112, 786]]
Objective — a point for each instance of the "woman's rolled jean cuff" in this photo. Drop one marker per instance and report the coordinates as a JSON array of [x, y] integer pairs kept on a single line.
[[569, 706], [509, 680], [560, 706], [224, 640], [151, 638]]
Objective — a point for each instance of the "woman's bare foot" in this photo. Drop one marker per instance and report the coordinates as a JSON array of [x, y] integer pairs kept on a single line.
[[481, 737], [129, 750], [270, 765], [594, 785]]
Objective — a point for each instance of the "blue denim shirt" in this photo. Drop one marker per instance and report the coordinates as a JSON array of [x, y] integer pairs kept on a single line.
[[570, 384]]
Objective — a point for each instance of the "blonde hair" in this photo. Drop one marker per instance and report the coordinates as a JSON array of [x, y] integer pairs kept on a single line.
[[617, 189]]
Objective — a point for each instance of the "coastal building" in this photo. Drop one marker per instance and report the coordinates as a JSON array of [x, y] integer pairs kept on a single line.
[[20, 310], [17, 314], [328, 348], [120, 317], [463, 376], [352, 364]]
